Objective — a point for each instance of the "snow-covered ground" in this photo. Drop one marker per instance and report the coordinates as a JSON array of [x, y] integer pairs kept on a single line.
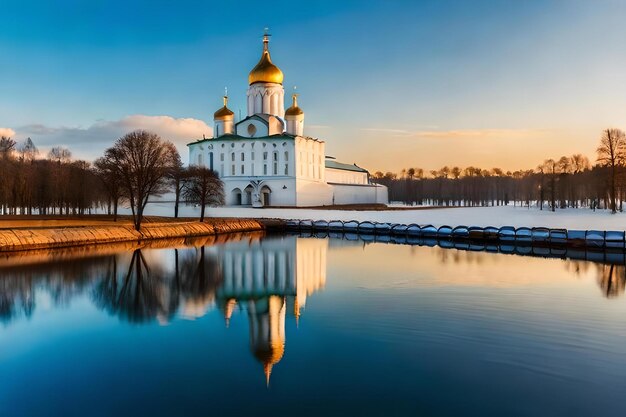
[[584, 219]]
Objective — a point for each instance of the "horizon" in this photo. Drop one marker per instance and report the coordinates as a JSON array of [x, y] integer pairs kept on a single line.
[[490, 84]]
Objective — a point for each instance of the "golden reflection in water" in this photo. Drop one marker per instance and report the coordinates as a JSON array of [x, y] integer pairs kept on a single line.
[[270, 278]]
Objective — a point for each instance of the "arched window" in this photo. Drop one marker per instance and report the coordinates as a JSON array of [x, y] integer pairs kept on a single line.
[[243, 157], [232, 157], [275, 164], [211, 160]]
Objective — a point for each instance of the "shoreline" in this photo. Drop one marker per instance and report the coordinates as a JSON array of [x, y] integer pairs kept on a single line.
[[27, 233], [19, 238]]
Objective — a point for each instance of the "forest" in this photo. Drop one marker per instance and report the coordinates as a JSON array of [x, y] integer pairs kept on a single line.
[[566, 182], [139, 166]]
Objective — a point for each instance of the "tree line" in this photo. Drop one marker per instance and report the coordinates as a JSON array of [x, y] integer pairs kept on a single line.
[[569, 181], [139, 166]]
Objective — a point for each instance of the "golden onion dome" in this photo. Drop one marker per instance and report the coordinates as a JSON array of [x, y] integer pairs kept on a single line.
[[294, 110], [265, 71], [224, 112]]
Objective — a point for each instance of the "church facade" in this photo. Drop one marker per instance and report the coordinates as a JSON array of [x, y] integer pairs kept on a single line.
[[267, 160]]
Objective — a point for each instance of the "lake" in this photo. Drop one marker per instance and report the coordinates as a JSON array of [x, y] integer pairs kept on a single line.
[[287, 325]]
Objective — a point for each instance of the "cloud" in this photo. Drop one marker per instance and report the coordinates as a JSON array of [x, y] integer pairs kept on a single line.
[[5, 131], [90, 142], [166, 126]]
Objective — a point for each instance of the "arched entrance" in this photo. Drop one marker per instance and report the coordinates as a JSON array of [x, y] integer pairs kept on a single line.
[[265, 195], [235, 197], [248, 195]]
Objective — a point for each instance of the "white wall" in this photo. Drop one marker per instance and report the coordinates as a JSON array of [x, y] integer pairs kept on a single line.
[[222, 127], [273, 126], [312, 193], [257, 154], [343, 176], [359, 194], [295, 125], [310, 159], [261, 129]]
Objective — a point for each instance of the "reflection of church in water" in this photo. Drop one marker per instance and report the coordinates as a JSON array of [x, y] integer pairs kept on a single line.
[[270, 280]]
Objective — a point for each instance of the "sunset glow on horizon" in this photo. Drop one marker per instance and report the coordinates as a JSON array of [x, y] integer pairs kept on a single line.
[[387, 85]]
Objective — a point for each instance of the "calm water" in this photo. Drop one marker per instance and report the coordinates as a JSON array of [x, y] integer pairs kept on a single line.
[[305, 326]]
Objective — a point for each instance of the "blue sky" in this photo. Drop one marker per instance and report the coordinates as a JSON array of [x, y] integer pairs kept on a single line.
[[387, 84]]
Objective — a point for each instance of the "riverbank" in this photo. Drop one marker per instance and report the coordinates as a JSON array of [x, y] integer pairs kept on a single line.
[[516, 216], [23, 233], [572, 219]]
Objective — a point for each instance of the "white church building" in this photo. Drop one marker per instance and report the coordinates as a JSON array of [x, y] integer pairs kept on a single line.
[[267, 160]]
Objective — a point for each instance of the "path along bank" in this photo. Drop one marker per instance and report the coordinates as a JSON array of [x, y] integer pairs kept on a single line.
[[21, 236]]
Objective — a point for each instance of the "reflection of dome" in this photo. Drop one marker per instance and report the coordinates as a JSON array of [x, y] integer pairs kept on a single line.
[[270, 357], [265, 71], [228, 310], [267, 331]]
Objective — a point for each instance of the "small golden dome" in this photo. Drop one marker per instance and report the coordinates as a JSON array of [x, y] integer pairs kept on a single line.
[[294, 110], [265, 71], [224, 112]]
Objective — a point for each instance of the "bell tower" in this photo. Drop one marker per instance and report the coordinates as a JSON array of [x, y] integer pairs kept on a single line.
[[266, 94]]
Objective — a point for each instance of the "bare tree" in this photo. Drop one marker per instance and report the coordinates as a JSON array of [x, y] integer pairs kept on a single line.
[[611, 153], [203, 187], [142, 161], [177, 177], [7, 147], [105, 170], [7, 177], [58, 181], [59, 154], [579, 163], [551, 167], [28, 151]]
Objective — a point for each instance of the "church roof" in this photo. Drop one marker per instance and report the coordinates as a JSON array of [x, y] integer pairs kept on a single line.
[[345, 167], [233, 136], [263, 117]]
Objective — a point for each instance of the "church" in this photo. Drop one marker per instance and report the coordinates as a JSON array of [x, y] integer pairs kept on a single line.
[[267, 160]]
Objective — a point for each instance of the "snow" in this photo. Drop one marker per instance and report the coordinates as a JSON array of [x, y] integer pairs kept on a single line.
[[581, 219]]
